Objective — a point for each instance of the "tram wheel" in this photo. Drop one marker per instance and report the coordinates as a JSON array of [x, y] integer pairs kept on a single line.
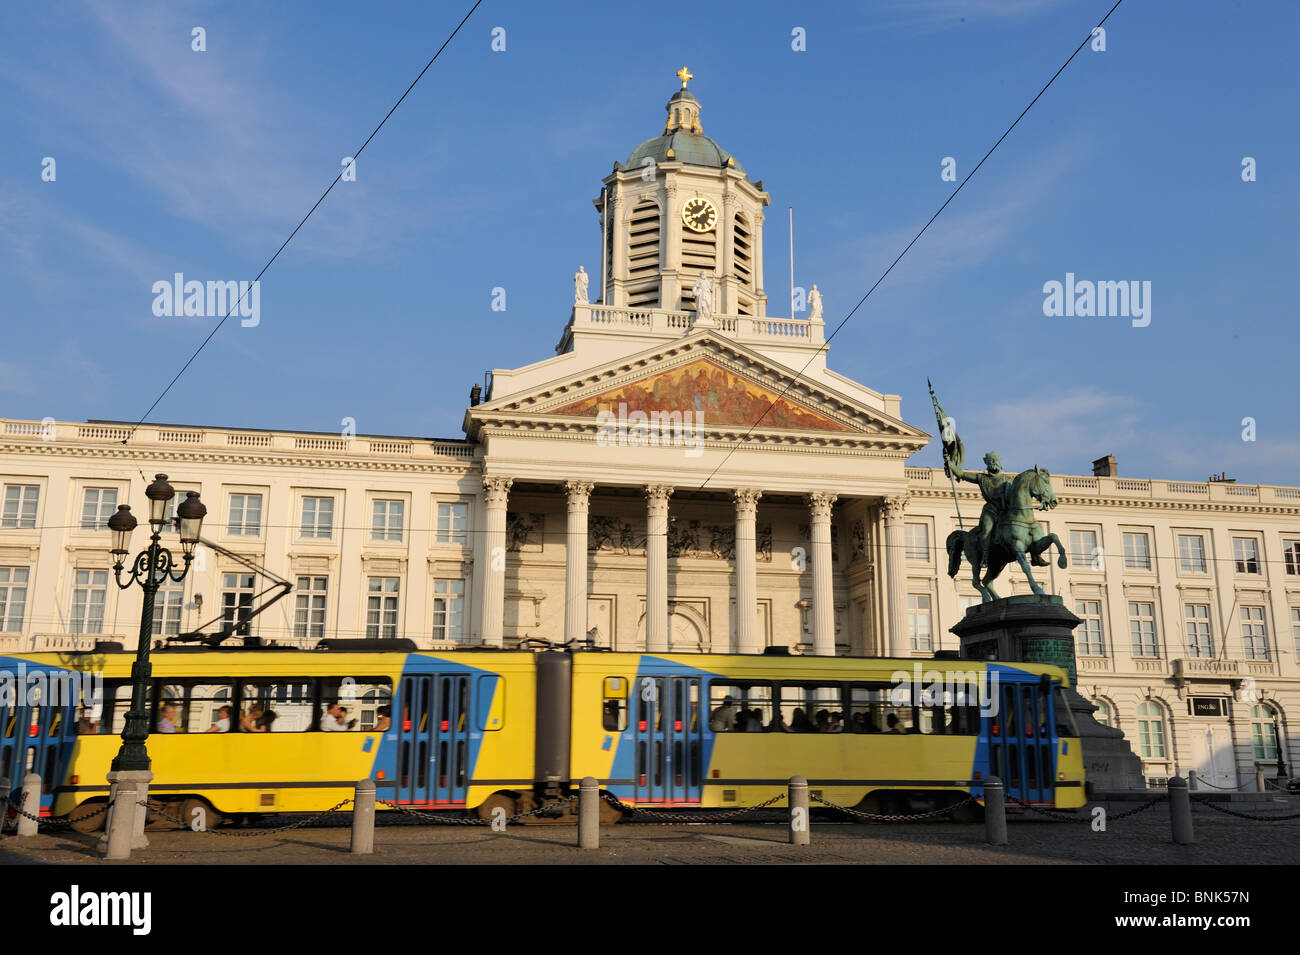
[[86, 819], [208, 817], [497, 800]]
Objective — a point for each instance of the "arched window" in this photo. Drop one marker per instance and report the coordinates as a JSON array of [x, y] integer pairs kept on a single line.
[[1261, 731], [643, 255], [1105, 715], [1151, 730]]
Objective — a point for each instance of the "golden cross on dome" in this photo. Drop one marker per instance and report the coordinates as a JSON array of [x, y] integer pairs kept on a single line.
[[683, 74]]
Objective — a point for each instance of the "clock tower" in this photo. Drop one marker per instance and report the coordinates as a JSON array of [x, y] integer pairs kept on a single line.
[[682, 207]]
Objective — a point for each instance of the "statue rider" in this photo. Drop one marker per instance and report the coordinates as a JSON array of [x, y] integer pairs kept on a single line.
[[994, 485]]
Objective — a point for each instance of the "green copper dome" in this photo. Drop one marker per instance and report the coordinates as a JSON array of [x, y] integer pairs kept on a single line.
[[683, 138], [695, 149]]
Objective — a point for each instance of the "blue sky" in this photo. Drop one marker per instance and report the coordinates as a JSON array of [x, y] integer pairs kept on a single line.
[[1129, 168]]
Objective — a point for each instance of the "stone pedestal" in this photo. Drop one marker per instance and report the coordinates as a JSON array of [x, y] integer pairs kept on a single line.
[[137, 813], [1035, 629]]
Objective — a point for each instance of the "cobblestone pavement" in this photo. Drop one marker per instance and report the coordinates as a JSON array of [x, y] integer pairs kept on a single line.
[[1141, 839]]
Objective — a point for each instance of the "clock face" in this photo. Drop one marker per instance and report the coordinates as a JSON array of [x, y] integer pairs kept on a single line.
[[699, 214]]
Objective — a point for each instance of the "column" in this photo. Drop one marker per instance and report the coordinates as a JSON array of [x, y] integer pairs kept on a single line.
[[495, 491], [820, 503], [896, 574], [656, 568], [748, 639], [575, 550], [617, 252]]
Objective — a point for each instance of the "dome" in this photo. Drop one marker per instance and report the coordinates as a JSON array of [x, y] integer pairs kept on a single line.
[[683, 138], [695, 149]]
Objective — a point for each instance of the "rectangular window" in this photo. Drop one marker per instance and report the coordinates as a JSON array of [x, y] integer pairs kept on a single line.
[[20, 505], [364, 704], [167, 610], [1142, 628], [211, 707], [276, 705], [309, 607], [1245, 555], [237, 600], [317, 517], [386, 521], [13, 598], [1254, 635], [1092, 642], [742, 708], [1291, 557], [1083, 549], [1295, 628], [1200, 643], [919, 630], [1137, 551], [448, 609], [97, 506], [613, 707], [807, 708], [1191, 553], [453, 519], [89, 593], [245, 515], [916, 538], [381, 607]]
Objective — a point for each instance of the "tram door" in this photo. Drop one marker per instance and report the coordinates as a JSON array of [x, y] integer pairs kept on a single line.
[[1022, 752], [433, 742], [32, 735], [669, 740]]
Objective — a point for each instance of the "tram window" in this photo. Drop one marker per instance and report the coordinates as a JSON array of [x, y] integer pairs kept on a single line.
[[205, 712], [109, 716], [169, 708], [276, 705], [614, 704], [1064, 718], [359, 699], [812, 708], [741, 708]]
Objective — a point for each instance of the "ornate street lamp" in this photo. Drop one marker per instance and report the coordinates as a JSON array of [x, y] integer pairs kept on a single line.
[[150, 569]]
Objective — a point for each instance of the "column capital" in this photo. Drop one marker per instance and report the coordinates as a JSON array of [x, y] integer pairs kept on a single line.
[[746, 499], [894, 507], [579, 494], [495, 490], [656, 497], [819, 502]]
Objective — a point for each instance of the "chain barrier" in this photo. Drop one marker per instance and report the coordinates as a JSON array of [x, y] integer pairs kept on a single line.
[[1244, 815], [891, 817], [474, 820], [1223, 789], [57, 823], [716, 816], [1059, 815], [160, 809]]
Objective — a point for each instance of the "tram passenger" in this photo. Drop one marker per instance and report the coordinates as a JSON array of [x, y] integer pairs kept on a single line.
[[799, 722], [252, 723], [87, 725], [723, 719], [753, 721], [837, 722], [167, 719], [385, 720], [892, 724], [222, 725], [336, 720]]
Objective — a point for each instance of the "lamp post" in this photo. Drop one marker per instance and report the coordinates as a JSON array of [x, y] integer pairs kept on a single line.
[[1281, 755], [151, 567]]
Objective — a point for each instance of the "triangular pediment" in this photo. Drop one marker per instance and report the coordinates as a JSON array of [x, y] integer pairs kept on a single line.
[[711, 393], [735, 389]]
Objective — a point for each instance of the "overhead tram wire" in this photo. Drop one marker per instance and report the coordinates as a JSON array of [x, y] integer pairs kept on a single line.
[[969, 176], [303, 222]]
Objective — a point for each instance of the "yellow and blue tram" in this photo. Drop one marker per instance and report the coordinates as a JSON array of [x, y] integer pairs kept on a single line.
[[243, 731]]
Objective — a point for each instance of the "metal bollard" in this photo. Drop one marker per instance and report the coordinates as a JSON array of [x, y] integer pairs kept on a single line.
[[1180, 811], [363, 818], [31, 805], [800, 829], [1259, 781], [121, 820], [6, 787], [589, 813], [995, 812], [1191, 779]]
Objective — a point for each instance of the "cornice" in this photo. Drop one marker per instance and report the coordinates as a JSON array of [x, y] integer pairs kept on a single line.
[[227, 458], [585, 430], [1127, 503]]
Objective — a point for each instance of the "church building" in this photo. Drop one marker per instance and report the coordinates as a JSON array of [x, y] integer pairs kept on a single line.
[[687, 473]]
